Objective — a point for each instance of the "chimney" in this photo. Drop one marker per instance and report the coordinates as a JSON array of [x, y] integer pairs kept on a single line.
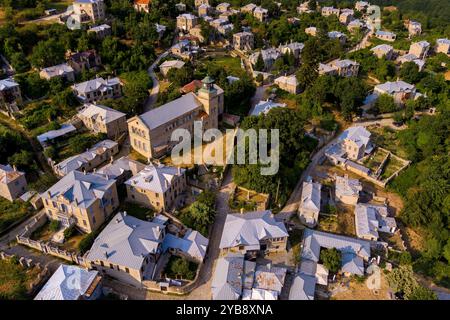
[[124, 213], [179, 171], [84, 171], [242, 210], [106, 254], [14, 167], [49, 194], [111, 160], [95, 169]]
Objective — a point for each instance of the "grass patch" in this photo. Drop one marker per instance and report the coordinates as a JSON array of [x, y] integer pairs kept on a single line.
[[11, 212], [15, 280], [137, 211], [72, 243], [387, 138], [295, 239], [60, 5], [392, 165], [231, 65], [375, 160], [43, 233]]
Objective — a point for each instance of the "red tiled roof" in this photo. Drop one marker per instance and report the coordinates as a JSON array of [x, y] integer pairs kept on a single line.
[[142, 1], [191, 86]]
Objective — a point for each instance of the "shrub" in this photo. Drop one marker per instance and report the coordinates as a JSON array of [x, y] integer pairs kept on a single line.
[[69, 232], [402, 280], [86, 243], [54, 225], [180, 267]]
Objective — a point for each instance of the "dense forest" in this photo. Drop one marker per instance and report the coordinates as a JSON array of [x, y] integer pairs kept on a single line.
[[295, 149], [425, 188]]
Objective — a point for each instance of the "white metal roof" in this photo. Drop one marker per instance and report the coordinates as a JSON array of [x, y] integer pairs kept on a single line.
[[119, 166], [7, 84], [311, 195], [75, 162], [347, 187], [250, 228], [126, 241], [80, 189], [67, 283], [314, 240], [100, 113], [155, 178], [303, 288], [227, 280], [170, 111]]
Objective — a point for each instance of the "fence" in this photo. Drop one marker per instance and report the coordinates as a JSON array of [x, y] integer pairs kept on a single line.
[[47, 248], [24, 239], [164, 287]]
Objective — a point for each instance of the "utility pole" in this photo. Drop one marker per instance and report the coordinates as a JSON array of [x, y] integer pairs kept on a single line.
[[278, 189]]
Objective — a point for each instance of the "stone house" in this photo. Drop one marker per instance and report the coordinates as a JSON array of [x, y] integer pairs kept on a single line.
[[157, 187]]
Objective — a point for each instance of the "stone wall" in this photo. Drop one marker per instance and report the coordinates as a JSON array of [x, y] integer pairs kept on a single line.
[[42, 276], [24, 239]]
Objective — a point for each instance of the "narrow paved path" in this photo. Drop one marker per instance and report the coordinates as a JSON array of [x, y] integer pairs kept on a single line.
[[153, 97]]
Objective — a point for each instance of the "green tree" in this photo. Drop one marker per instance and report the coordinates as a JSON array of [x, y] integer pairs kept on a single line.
[[47, 53], [409, 72], [259, 65], [385, 104], [180, 267], [402, 280], [331, 259]]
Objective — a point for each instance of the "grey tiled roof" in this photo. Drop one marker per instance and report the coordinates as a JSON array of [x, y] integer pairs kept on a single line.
[[357, 134], [369, 218], [396, 86], [95, 84], [268, 277], [53, 134], [383, 47], [193, 244]]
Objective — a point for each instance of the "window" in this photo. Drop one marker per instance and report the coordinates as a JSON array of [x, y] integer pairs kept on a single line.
[[127, 270], [111, 266]]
